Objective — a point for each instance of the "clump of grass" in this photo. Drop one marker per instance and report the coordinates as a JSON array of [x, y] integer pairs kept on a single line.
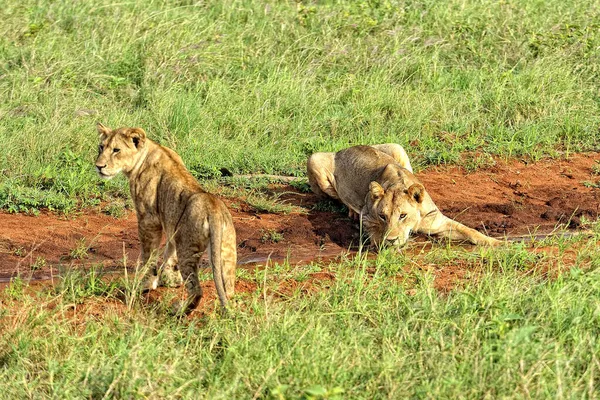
[[301, 185], [115, 208], [15, 288], [19, 251], [80, 251], [330, 206], [271, 204], [16, 198], [271, 236], [39, 263], [477, 161], [591, 184], [77, 285]]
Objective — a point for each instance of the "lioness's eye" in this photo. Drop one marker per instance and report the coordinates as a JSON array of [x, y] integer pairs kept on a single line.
[[116, 150], [402, 216], [382, 216], [100, 148]]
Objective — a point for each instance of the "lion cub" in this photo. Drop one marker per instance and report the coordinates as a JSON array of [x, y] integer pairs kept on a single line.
[[376, 182], [169, 200]]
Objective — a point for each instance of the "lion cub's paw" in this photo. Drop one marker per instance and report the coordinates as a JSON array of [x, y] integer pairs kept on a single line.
[[179, 308], [150, 282]]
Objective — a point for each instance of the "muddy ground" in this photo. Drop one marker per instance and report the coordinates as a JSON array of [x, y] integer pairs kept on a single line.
[[510, 198]]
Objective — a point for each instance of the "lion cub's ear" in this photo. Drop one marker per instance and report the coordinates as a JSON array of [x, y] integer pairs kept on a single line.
[[417, 192], [137, 135], [102, 130], [376, 191]]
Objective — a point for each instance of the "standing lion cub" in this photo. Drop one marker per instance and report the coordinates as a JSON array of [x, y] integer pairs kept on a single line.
[[169, 200], [376, 182]]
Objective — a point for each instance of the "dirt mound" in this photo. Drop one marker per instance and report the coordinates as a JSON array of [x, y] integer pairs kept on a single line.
[[507, 199]]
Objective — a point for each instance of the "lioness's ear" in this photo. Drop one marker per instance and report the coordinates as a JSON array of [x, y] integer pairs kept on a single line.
[[138, 136], [417, 192], [376, 191], [102, 130]]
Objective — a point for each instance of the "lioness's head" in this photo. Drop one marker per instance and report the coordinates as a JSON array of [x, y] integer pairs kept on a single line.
[[391, 214], [118, 150]]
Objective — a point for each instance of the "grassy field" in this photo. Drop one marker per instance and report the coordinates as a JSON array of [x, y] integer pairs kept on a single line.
[[257, 86], [379, 329], [252, 87]]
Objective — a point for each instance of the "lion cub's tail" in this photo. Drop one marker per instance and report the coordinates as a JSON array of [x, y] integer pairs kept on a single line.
[[223, 255]]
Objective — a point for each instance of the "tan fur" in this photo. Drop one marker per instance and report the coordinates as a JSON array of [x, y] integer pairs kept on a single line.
[[376, 182], [169, 200]]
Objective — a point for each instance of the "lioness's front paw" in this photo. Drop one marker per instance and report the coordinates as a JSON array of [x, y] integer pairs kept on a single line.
[[150, 282], [170, 278], [493, 242]]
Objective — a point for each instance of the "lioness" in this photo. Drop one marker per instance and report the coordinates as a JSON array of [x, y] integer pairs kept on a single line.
[[168, 199], [376, 182]]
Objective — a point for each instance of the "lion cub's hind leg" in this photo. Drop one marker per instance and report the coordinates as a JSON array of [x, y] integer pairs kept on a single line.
[[319, 169], [189, 259], [169, 275]]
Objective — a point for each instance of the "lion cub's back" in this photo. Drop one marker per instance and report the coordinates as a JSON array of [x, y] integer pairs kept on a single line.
[[181, 195]]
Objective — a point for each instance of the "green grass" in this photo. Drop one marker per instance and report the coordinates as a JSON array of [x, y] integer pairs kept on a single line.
[[378, 330], [255, 87]]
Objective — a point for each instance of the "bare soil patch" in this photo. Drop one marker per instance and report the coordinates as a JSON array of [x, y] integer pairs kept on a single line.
[[510, 198]]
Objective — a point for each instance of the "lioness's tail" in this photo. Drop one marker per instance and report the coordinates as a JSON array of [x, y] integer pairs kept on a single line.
[[223, 254]]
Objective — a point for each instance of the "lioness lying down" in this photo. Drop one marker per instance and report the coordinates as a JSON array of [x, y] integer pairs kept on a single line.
[[376, 182], [168, 199]]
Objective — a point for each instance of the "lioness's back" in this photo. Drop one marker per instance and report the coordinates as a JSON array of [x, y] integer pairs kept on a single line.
[[355, 168]]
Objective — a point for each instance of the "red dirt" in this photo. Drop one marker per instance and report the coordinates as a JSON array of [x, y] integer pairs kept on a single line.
[[514, 198], [507, 199]]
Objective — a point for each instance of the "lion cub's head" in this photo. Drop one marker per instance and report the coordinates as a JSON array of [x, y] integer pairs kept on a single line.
[[118, 150], [391, 214]]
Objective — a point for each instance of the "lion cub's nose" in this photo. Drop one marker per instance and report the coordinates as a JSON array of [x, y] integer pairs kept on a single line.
[[100, 166]]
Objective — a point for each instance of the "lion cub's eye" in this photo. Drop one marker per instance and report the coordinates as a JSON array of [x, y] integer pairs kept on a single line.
[[402, 216], [382, 216], [116, 150], [100, 148]]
